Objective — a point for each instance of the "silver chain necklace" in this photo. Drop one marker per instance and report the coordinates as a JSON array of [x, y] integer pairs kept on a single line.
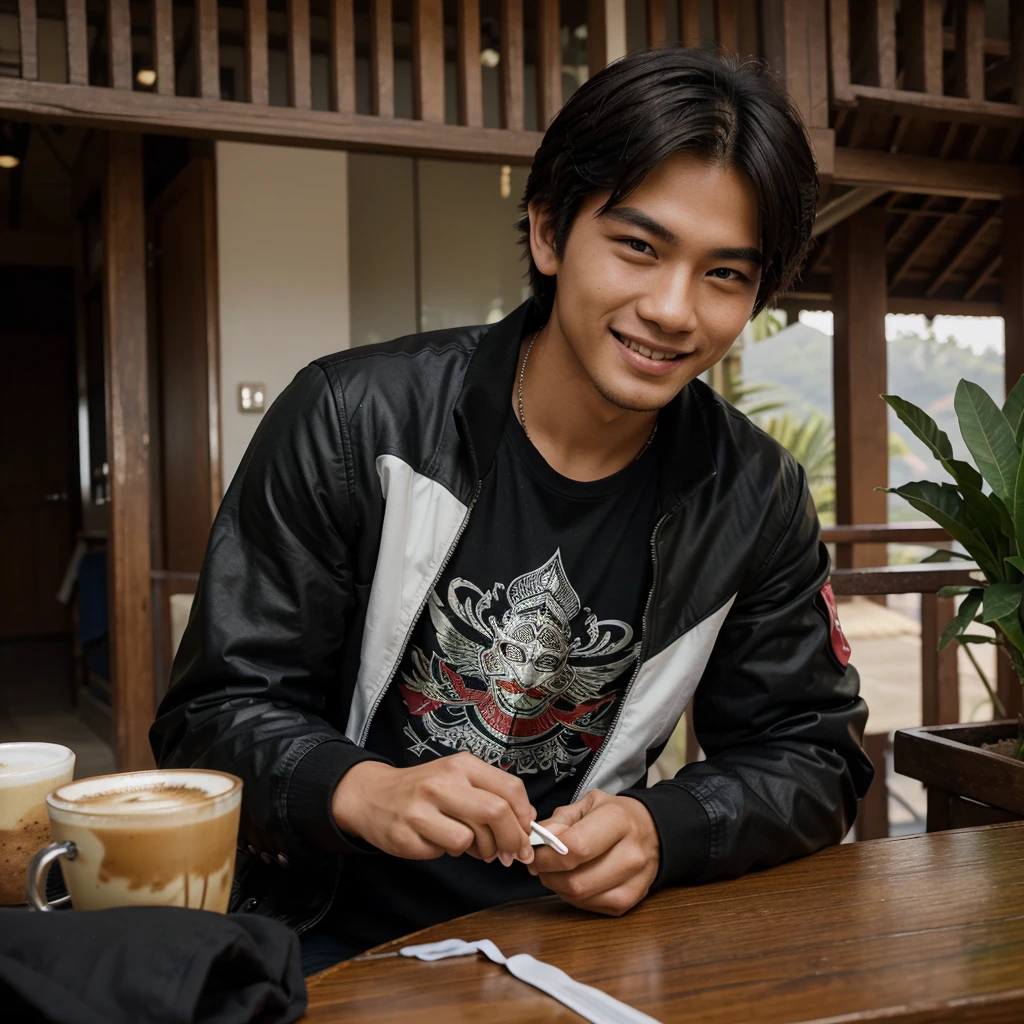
[[522, 415]]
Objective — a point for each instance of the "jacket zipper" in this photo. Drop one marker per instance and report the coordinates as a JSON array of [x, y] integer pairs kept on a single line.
[[305, 926], [639, 660], [416, 618]]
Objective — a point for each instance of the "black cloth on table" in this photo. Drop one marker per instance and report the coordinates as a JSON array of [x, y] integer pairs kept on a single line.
[[143, 965]]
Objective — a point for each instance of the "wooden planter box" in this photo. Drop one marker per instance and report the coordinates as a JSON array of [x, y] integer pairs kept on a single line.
[[966, 785]]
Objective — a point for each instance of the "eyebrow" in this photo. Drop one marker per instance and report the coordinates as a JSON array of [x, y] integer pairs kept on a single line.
[[631, 215]]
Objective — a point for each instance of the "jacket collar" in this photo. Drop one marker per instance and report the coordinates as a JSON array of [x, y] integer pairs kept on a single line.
[[687, 461]]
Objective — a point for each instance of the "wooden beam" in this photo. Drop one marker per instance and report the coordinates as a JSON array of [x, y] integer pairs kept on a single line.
[[76, 27], [28, 39], [382, 60], [207, 49], [549, 62], [1013, 289], [926, 107], [656, 36], [959, 251], [428, 60], [257, 53], [727, 30], [750, 30], [990, 267], [689, 24], [163, 46], [873, 44], [844, 206], [859, 377], [245, 122], [923, 244], [970, 49], [902, 172], [119, 44], [471, 108], [300, 77], [794, 301], [125, 344], [342, 60], [513, 111]]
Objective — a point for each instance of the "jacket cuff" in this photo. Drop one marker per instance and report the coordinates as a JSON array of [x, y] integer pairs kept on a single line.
[[311, 788], [684, 831]]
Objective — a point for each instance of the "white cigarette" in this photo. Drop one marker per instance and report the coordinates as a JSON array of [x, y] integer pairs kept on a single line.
[[540, 836]]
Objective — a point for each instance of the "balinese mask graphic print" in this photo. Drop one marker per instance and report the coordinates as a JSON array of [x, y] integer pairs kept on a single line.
[[532, 696]]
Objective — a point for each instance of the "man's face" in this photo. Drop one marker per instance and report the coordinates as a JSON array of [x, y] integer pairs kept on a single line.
[[647, 274]]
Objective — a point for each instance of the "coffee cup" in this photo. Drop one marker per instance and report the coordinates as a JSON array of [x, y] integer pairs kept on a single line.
[[28, 772], [156, 838]]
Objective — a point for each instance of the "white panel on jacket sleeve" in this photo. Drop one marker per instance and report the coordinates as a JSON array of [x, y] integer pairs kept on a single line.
[[656, 701], [422, 520]]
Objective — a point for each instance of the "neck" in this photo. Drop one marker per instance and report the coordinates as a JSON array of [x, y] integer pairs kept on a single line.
[[579, 432]]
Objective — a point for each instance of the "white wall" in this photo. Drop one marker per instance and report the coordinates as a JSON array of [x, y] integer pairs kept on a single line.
[[282, 230]]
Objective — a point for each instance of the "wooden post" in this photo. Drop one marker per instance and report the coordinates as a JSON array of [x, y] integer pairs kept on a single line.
[[428, 60], [471, 104], [873, 815], [922, 29], [859, 377], [125, 356], [873, 43], [1013, 288], [940, 680]]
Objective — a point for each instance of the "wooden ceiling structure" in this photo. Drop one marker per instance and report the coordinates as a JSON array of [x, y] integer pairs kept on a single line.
[[915, 110]]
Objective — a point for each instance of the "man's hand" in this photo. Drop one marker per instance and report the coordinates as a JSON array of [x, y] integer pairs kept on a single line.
[[613, 853], [453, 805]]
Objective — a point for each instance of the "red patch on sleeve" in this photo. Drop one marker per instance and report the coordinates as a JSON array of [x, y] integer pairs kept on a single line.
[[840, 645]]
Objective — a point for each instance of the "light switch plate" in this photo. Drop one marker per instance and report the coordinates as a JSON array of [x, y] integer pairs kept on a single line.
[[252, 397]]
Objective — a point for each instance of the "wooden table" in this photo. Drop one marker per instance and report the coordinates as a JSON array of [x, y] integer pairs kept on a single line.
[[918, 930]]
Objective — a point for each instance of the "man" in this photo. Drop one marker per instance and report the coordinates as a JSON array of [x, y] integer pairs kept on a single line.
[[471, 579]]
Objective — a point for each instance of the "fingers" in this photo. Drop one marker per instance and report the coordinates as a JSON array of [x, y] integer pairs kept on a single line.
[[509, 787], [437, 831], [591, 836], [491, 818], [614, 902]]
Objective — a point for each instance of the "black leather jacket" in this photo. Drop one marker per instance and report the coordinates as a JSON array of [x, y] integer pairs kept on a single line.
[[350, 500]]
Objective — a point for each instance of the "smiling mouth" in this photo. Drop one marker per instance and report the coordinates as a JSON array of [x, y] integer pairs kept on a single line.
[[643, 351]]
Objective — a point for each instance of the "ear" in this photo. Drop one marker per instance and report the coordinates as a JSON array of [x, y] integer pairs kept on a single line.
[[542, 240]]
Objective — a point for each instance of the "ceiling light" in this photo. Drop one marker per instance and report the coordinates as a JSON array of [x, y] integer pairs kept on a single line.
[[8, 161], [489, 57], [146, 77]]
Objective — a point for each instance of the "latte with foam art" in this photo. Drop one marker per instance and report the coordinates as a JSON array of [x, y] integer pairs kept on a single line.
[[163, 838], [28, 771]]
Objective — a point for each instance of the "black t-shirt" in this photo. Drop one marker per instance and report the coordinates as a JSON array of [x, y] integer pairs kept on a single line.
[[520, 657]]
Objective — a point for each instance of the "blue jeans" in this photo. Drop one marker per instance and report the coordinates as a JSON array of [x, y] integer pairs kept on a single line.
[[320, 951]]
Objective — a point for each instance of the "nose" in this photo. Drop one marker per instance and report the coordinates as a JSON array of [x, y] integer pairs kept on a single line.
[[670, 301]]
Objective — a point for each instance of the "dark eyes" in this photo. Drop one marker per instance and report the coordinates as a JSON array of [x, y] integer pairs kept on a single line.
[[720, 273], [638, 246]]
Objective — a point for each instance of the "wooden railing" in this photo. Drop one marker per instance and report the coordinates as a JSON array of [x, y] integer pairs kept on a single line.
[[201, 68], [940, 683], [981, 83]]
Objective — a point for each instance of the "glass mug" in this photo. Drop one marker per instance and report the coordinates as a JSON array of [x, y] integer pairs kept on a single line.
[[28, 772], [156, 838]]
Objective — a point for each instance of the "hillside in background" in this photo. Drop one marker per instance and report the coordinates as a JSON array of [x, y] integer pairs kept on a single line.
[[924, 370]]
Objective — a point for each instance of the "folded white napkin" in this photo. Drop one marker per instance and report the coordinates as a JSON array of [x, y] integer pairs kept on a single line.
[[591, 1003]]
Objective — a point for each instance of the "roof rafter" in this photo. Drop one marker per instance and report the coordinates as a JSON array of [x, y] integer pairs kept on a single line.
[[961, 248]]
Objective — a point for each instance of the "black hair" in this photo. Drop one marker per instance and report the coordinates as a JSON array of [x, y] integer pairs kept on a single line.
[[618, 126]]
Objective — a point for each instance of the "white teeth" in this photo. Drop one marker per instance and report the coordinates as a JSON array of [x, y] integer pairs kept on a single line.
[[646, 352]]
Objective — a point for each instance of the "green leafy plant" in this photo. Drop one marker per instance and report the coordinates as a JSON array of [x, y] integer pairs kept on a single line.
[[988, 524]]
